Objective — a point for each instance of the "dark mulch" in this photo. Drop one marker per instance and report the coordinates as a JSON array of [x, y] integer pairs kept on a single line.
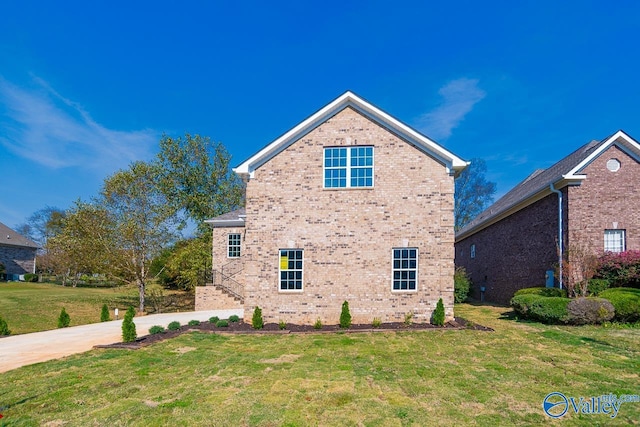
[[273, 328]]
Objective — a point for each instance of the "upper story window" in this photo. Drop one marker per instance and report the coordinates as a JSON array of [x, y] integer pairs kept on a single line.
[[233, 245], [614, 241], [348, 167], [473, 251]]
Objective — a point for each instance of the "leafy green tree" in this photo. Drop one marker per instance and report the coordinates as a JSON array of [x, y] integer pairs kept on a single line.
[[438, 314], [196, 178], [473, 193], [345, 316], [190, 261], [4, 328], [129, 333], [104, 313], [143, 223], [256, 321], [43, 224], [64, 319]]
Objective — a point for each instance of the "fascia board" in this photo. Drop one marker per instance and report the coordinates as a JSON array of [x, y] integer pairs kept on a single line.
[[612, 140]]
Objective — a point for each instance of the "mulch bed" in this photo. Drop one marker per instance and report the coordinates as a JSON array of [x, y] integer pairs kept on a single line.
[[273, 328]]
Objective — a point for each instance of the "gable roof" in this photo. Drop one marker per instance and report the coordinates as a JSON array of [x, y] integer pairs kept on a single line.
[[8, 237], [536, 186], [452, 162], [229, 219]]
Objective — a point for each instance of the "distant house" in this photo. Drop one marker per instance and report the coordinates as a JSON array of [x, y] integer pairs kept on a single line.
[[351, 204], [515, 242], [17, 253]]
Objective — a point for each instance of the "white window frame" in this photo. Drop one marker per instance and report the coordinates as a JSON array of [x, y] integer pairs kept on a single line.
[[348, 167], [616, 237], [289, 270], [234, 245], [472, 251], [400, 269]]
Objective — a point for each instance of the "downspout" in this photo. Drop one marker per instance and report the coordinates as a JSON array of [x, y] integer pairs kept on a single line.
[[561, 251]]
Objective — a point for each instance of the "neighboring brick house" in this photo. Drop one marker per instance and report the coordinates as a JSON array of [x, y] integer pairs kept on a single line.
[[17, 253], [351, 204], [514, 243]]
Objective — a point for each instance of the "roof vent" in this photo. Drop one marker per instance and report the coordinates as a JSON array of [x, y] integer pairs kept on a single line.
[[613, 165]]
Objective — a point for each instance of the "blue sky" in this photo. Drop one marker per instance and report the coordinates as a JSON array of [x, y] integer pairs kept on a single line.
[[88, 87]]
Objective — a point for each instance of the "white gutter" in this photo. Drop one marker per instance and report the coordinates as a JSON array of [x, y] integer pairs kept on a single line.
[[561, 249]]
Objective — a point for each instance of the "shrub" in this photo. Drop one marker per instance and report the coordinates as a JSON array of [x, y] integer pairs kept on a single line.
[[620, 269], [174, 326], [104, 314], [256, 320], [30, 277], [438, 314], [157, 329], [64, 319], [282, 325], [543, 309], [4, 328], [589, 311], [596, 286], [214, 319], [193, 322], [128, 327], [461, 285], [318, 324], [345, 316], [543, 292], [222, 323], [376, 322], [408, 318], [626, 302], [234, 318]]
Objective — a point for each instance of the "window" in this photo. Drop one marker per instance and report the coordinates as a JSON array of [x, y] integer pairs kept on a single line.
[[614, 241], [291, 269], [348, 167], [405, 269], [473, 251], [233, 246]]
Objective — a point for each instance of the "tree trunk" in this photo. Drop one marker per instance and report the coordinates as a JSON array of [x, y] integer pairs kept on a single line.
[[141, 286]]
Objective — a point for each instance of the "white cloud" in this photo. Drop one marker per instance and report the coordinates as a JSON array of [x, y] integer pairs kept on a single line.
[[458, 98], [41, 125]]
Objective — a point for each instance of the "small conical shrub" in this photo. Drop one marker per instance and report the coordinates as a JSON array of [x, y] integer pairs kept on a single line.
[[4, 328], [345, 316], [63, 319], [438, 314], [104, 314], [128, 327], [256, 320]]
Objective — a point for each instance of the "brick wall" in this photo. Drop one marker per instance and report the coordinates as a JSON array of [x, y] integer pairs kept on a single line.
[[348, 234], [514, 253], [606, 200], [211, 298], [17, 260]]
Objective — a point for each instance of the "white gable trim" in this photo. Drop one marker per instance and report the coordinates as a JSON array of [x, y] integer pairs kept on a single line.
[[619, 139], [452, 162]]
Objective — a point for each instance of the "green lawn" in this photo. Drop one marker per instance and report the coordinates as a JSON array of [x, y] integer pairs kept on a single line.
[[447, 378], [31, 307]]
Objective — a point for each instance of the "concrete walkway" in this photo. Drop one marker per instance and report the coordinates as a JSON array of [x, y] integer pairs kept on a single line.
[[26, 349]]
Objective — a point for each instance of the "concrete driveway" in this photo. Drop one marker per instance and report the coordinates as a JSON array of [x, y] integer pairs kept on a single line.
[[26, 349]]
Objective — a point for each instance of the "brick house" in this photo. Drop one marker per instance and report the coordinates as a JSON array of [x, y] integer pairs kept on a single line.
[[351, 204], [17, 253], [514, 243]]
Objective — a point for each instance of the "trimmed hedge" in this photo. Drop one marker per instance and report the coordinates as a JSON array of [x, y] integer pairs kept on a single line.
[[590, 311], [626, 302], [543, 292], [174, 326], [596, 286], [550, 310]]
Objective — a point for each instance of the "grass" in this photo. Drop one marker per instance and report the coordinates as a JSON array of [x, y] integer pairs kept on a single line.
[[446, 378], [32, 307]]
